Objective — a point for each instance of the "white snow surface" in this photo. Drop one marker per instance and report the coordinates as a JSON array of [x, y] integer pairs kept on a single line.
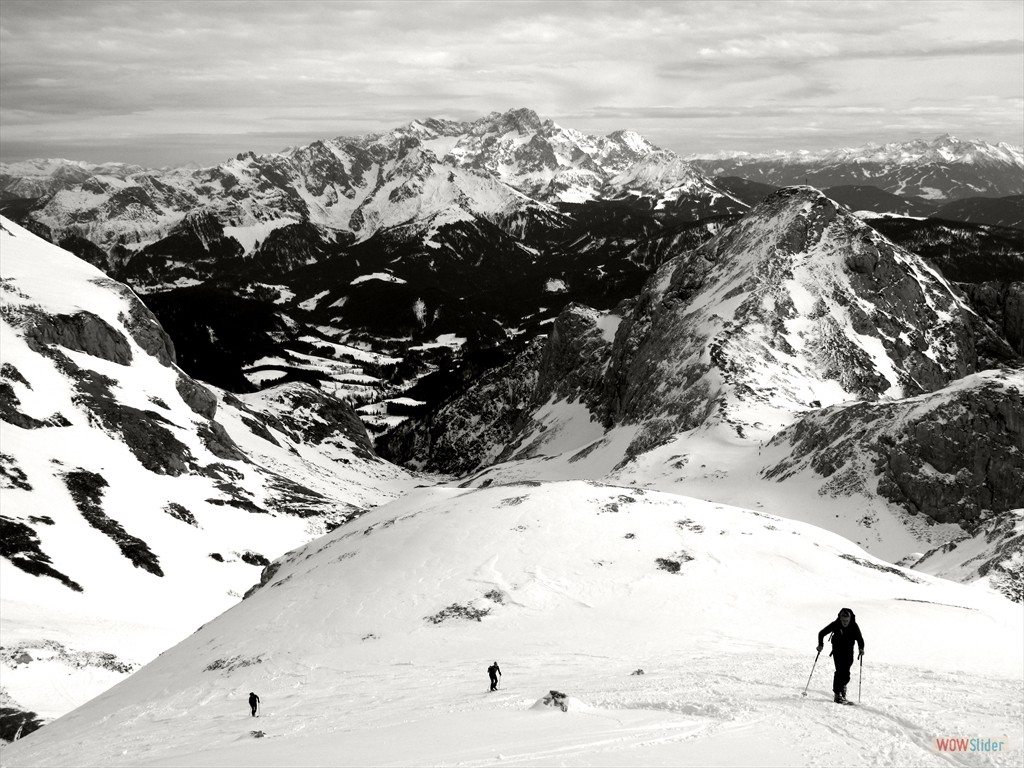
[[253, 234], [369, 647]]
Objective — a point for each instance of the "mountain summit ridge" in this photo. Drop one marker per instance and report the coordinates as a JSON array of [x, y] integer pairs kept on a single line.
[[943, 168]]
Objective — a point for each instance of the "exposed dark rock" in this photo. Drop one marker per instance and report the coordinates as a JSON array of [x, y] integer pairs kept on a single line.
[[470, 428], [10, 412], [265, 576], [877, 567], [458, 611], [20, 544], [179, 512], [9, 372], [239, 502], [675, 563], [259, 427], [86, 488], [153, 444], [232, 663], [956, 456], [1002, 304], [976, 444], [575, 358], [219, 442], [143, 326], [254, 558], [196, 396], [11, 475], [18, 723], [70, 657], [291, 498], [80, 332]]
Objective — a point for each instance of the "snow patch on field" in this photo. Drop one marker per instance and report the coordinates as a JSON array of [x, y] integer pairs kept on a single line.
[[251, 235]]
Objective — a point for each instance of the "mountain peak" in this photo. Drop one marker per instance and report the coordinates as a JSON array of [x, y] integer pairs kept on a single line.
[[799, 305], [522, 119]]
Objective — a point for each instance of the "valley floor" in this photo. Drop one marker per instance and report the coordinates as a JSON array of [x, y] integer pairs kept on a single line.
[[736, 707]]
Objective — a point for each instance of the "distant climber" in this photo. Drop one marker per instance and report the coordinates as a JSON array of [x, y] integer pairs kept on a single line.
[[254, 702], [845, 633], [494, 672]]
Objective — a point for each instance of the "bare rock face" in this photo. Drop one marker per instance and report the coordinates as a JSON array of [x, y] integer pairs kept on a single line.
[[575, 357], [1003, 305], [142, 324], [474, 428], [196, 396], [956, 455], [80, 332]]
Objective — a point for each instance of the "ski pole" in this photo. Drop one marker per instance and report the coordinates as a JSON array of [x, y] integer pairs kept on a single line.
[[861, 678], [812, 673]]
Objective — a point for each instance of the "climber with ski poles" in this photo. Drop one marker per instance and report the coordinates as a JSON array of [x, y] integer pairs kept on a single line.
[[845, 633]]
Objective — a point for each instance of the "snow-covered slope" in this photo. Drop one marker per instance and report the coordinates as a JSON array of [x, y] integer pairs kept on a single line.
[[138, 502], [681, 632], [944, 168]]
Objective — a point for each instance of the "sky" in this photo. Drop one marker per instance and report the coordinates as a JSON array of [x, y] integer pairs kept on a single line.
[[173, 82]]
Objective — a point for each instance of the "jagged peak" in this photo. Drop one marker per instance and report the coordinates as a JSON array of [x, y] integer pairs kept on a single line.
[[522, 118]]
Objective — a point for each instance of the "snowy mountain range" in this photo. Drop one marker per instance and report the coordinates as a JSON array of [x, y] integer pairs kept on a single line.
[[429, 173], [794, 332], [38, 178], [945, 168], [555, 322]]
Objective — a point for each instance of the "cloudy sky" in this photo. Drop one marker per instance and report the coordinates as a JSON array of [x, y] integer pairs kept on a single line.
[[175, 81]]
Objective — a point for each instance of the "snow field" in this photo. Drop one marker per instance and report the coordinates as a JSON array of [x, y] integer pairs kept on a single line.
[[366, 649]]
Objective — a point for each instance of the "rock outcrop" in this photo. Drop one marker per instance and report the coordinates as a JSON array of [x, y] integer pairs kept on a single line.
[[1002, 304], [955, 455], [474, 428]]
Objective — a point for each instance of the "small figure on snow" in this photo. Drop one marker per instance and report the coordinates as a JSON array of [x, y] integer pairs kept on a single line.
[[254, 702], [494, 673], [845, 633]]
